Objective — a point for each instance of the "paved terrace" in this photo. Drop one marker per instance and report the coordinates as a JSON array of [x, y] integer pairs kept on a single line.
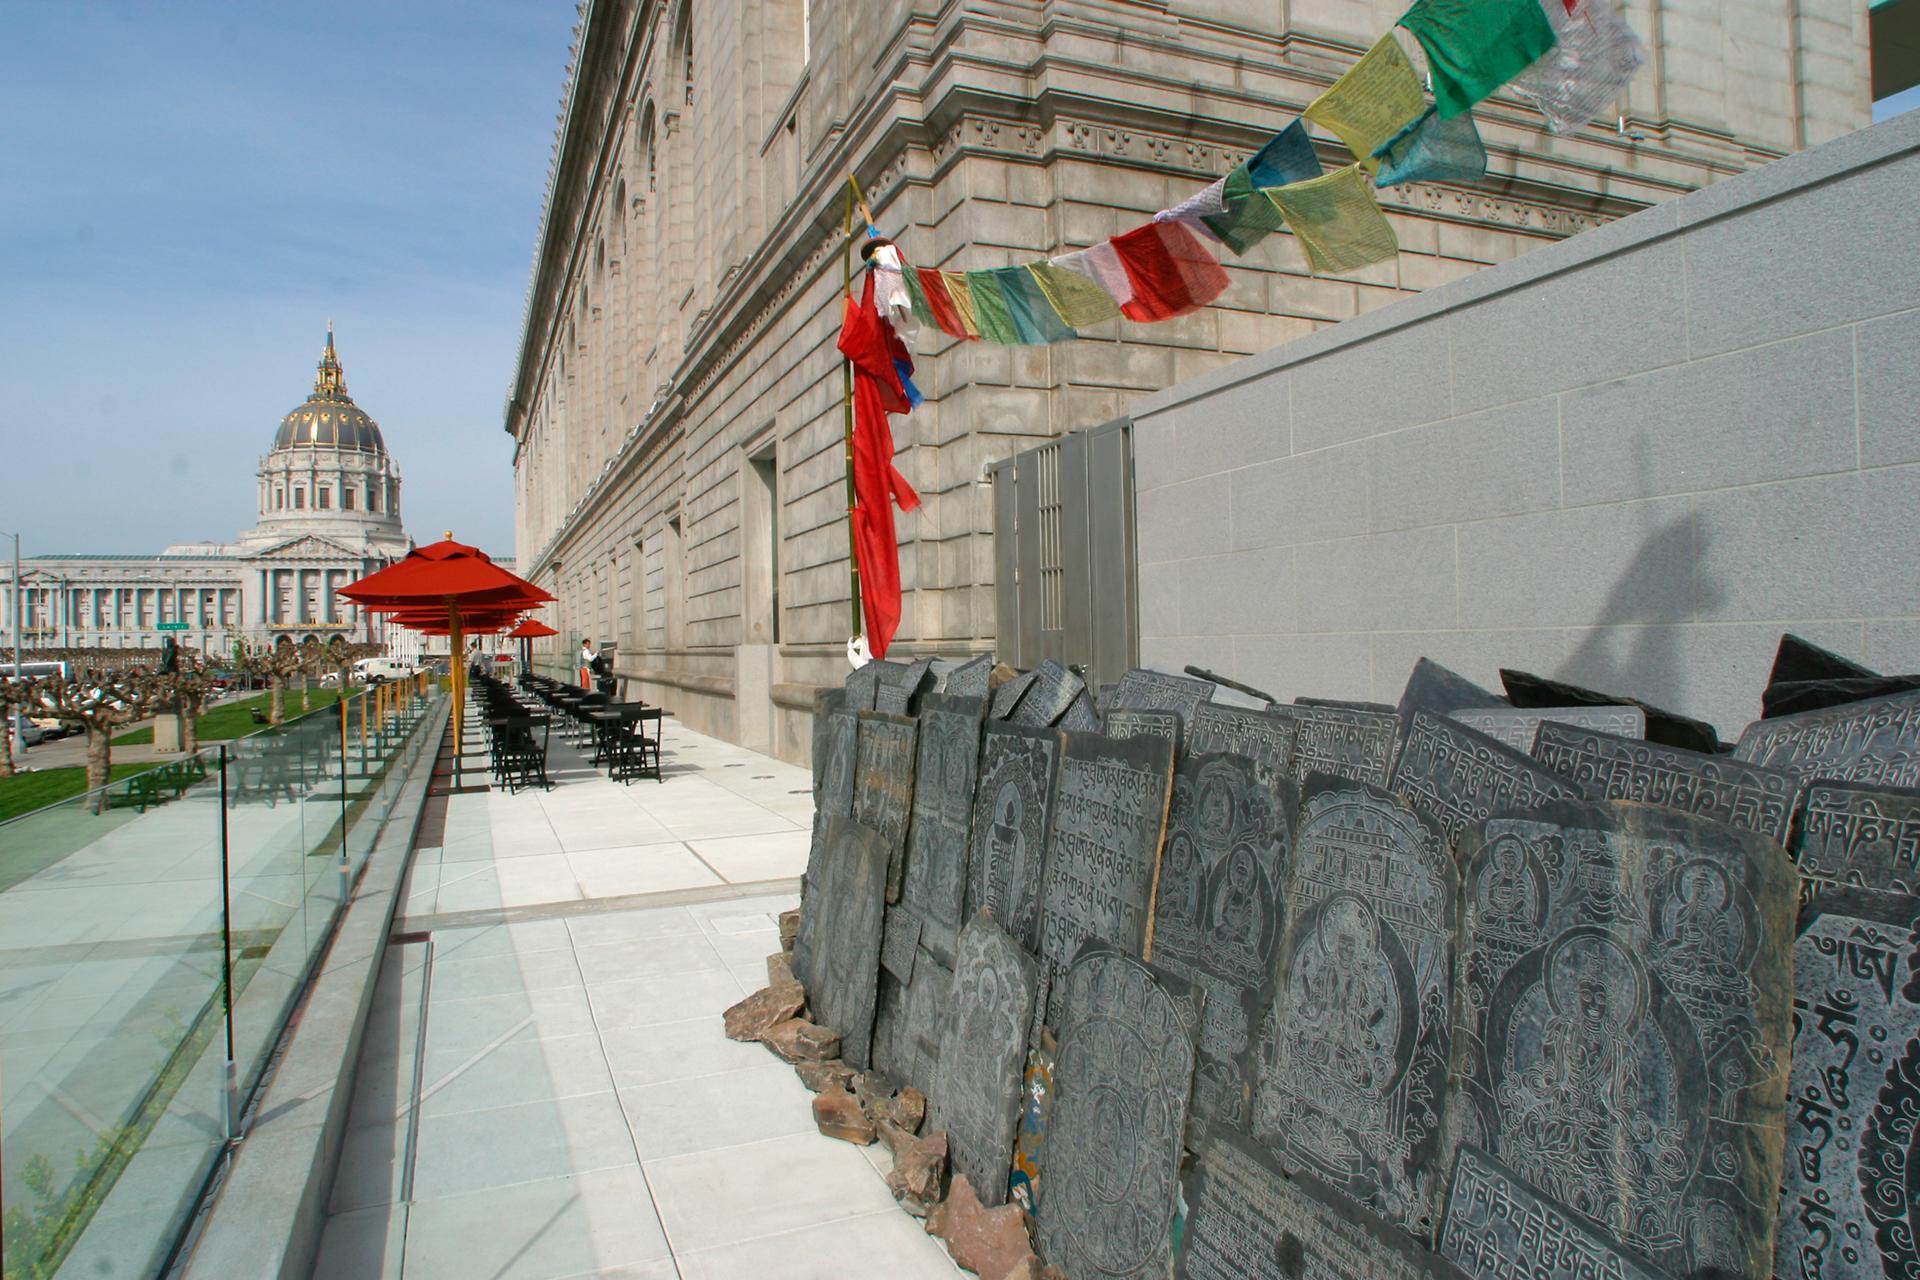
[[545, 1089]]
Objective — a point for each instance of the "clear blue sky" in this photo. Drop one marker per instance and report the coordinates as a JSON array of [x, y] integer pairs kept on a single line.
[[192, 190]]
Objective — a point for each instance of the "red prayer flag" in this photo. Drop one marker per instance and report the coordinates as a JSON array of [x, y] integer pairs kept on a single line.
[[1171, 271], [871, 346], [947, 316]]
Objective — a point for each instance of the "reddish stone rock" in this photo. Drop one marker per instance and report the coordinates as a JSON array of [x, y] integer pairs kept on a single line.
[[798, 1040], [838, 1114], [907, 1108], [1029, 1268], [819, 1076], [891, 1134], [789, 929], [779, 968], [750, 1019], [919, 1167], [988, 1242]]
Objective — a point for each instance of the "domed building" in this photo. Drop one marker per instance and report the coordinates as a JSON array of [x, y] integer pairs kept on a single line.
[[328, 505]]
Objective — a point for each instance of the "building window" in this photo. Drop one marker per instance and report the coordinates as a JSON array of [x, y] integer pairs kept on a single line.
[[346, 499], [323, 498], [373, 498], [299, 499], [279, 499]]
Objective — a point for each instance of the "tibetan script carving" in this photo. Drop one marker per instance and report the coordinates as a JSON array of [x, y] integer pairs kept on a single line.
[[1007, 697], [1053, 690], [1459, 777], [898, 692], [1216, 919], [1103, 854], [1354, 1060], [943, 794], [1622, 1039], [1860, 837], [863, 685], [1876, 742], [1157, 691], [849, 896], [970, 678], [900, 941], [976, 1093], [1499, 1228], [1851, 1199], [1013, 808], [1081, 717], [1144, 722], [825, 703], [1264, 737], [1748, 796], [835, 795], [1121, 1081], [1355, 745], [1516, 728], [883, 786]]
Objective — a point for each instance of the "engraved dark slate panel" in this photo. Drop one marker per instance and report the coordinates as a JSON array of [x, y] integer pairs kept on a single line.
[[1007, 697], [834, 796], [1875, 742], [845, 965], [1158, 691], [1081, 716], [900, 942], [1606, 767], [1350, 704], [900, 687], [1249, 1220], [1144, 722], [1788, 699], [1264, 737], [1345, 743], [1216, 919], [1121, 1079], [1432, 687], [1526, 690], [863, 685], [1103, 853], [918, 1051], [976, 1093], [1459, 777], [1858, 837], [970, 679], [883, 787], [1053, 690], [1516, 729], [1013, 808], [825, 703], [1797, 659], [1625, 987], [943, 796], [1499, 1228], [1354, 1058], [1850, 1206]]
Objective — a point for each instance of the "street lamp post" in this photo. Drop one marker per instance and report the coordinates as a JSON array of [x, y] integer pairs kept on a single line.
[[19, 727]]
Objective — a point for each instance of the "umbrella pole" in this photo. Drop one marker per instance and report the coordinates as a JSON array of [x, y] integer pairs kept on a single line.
[[846, 405], [459, 670]]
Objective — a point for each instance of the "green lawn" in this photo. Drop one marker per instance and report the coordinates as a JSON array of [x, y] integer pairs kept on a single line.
[[25, 792], [232, 720]]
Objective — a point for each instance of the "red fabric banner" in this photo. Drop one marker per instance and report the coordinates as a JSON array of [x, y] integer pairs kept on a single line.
[[871, 346], [1171, 271]]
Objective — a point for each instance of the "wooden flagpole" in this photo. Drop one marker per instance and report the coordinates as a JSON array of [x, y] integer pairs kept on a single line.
[[846, 405]]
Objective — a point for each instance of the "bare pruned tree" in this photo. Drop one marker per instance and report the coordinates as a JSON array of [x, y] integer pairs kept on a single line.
[[101, 704], [284, 660], [13, 694]]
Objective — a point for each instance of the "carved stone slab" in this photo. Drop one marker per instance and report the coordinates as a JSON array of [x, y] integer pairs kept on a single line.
[[970, 678], [1622, 1043], [1876, 742], [1432, 687], [1121, 1080], [1516, 728], [1053, 690], [1249, 1220], [1354, 1059], [1007, 697], [1013, 808], [1499, 1228], [1158, 691], [863, 686], [849, 896], [1459, 777], [825, 703], [1850, 1204], [883, 786], [1342, 742], [943, 793], [1349, 704], [1216, 919], [1859, 837], [1081, 716], [840, 731], [900, 687], [900, 942], [1264, 737], [917, 1056], [1671, 728], [1606, 767], [1144, 722], [983, 1046], [1103, 854]]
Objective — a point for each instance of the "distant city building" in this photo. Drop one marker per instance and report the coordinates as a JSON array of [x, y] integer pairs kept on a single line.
[[329, 513], [676, 405]]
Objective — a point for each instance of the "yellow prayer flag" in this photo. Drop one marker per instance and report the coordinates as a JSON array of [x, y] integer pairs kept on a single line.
[[1379, 96], [1078, 299], [961, 291], [1337, 220]]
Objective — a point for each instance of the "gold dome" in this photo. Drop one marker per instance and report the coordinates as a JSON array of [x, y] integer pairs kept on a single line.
[[330, 419]]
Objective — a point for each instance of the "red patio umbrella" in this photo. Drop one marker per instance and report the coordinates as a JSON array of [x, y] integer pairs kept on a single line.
[[526, 633]]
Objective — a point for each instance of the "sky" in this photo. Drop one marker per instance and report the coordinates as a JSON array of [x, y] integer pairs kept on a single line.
[[192, 190]]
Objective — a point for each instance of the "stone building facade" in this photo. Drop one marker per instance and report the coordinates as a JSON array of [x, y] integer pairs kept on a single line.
[[676, 407], [328, 502]]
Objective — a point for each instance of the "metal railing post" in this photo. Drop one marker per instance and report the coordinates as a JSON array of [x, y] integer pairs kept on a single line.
[[226, 958]]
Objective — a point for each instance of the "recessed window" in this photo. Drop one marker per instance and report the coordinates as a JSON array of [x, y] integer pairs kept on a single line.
[[323, 498], [279, 499], [346, 499], [299, 499], [373, 499]]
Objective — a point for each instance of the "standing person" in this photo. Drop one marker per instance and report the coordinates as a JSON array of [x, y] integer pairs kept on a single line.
[[587, 658]]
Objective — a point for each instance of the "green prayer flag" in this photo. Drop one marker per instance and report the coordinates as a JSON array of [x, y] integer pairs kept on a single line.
[[1078, 299], [1033, 312], [1476, 46], [922, 310], [1337, 221], [990, 309]]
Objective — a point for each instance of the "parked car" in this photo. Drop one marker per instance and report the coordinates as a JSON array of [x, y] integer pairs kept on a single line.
[[375, 670], [32, 734], [51, 727]]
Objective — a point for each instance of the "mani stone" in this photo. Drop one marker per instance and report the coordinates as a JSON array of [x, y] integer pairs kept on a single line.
[[1346, 743], [883, 787], [983, 1046], [1353, 1063], [1103, 854], [1459, 777], [1858, 837], [1517, 729], [1850, 1204], [1875, 742], [1525, 690], [1142, 722], [1350, 704], [1007, 697], [1623, 1041], [1606, 767], [832, 800], [1216, 919], [1081, 717], [1249, 1220], [1432, 687], [1815, 695], [970, 678], [900, 942], [901, 686], [910, 1022], [943, 792], [863, 685], [837, 746], [1158, 691], [1049, 695], [1499, 1228], [1121, 1082], [850, 896], [1013, 808], [1798, 659], [1263, 736], [825, 703]]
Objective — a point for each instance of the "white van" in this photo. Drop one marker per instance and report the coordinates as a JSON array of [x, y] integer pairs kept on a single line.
[[375, 670]]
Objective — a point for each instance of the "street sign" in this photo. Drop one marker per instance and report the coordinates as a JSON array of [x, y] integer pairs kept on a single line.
[[169, 626]]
